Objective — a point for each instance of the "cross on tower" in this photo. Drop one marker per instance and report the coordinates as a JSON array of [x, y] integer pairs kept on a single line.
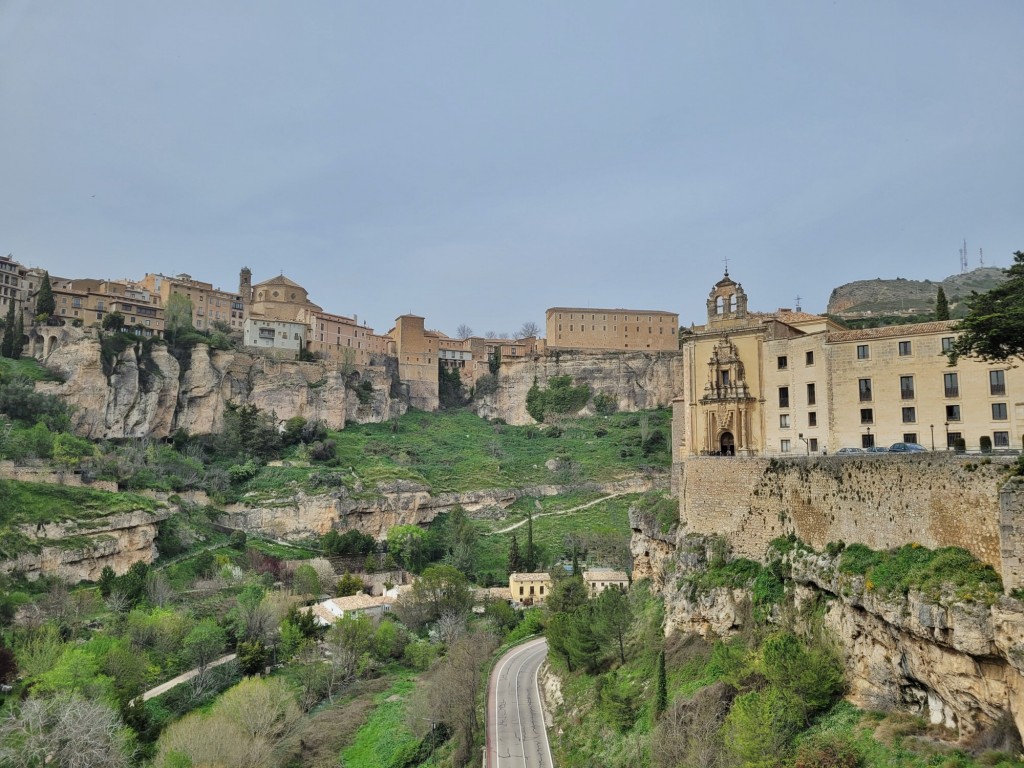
[[798, 304], [726, 260]]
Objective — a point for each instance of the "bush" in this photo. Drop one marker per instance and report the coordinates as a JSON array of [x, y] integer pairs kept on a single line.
[[605, 404], [487, 384], [560, 397], [761, 725], [986, 444], [828, 752]]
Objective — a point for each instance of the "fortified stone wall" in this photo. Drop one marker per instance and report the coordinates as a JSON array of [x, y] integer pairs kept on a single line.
[[936, 500]]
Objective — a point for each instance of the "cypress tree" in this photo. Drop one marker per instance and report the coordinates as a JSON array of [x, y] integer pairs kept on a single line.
[[7, 346], [941, 305], [515, 560], [45, 303], [18, 340], [661, 697], [530, 560]]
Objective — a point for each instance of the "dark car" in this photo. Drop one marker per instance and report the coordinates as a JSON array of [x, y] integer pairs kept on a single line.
[[907, 448]]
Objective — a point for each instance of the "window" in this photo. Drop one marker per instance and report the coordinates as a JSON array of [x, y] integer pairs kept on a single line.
[[952, 437], [910, 437], [783, 362], [997, 382], [810, 394], [812, 418], [783, 397], [951, 384], [520, 590], [998, 411], [809, 358], [542, 589], [784, 446], [531, 589], [904, 348], [865, 390], [909, 416], [813, 445], [1001, 439], [867, 441], [784, 421], [947, 343], [862, 352], [907, 387], [952, 413], [867, 416]]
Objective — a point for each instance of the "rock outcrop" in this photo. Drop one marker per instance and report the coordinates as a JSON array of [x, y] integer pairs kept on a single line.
[[300, 515], [960, 663], [144, 391], [634, 380], [81, 550]]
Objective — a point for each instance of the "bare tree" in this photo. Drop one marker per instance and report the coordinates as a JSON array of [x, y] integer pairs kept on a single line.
[[159, 589], [67, 731], [689, 732], [491, 335], [463, 331], [528, 330], [450, 626]]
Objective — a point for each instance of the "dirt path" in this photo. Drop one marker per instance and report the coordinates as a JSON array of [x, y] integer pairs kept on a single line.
[[557, 512], [184, 677]]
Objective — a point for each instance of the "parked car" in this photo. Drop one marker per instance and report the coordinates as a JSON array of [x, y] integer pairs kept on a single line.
[[907, 448], [876, 449], [847, 451]]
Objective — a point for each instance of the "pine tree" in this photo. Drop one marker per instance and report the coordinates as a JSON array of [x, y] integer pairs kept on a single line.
[[45, 303], [661, 697], [941, 305], [7, 346], [515, 560]]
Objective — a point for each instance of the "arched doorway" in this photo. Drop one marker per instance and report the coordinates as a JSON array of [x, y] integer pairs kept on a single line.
[[727, 444]]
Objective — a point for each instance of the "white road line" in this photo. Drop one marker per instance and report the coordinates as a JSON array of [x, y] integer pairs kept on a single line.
[[544, 723]]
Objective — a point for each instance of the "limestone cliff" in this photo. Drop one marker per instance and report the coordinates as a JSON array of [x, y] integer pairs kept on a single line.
[[298, 515], [150, 393], [958, 662], [81, 550], [635, 380]]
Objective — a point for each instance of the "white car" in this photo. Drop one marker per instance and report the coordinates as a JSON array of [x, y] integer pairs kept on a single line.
[[848, 451]]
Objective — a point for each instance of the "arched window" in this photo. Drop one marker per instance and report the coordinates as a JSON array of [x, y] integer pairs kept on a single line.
[[719, 305], [732, 302]]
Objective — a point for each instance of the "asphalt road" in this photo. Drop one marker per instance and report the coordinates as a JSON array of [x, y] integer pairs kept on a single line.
[[516, 733]]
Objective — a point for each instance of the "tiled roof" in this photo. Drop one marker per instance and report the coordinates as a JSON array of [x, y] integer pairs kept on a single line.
[[605, 309], [604, 576], [892, 331]]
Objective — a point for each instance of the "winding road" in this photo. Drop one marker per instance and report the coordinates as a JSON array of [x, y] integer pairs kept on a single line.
[[517, 735]]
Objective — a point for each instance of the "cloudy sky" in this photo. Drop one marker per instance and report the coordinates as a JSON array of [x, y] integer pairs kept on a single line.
[[477, 162]]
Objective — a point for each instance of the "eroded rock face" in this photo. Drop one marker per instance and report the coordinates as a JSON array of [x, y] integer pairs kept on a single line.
[[958, 663], [152, 394], [635, 380], [81, 550]]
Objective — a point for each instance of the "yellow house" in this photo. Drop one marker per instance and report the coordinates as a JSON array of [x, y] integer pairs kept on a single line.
[[529, 588]]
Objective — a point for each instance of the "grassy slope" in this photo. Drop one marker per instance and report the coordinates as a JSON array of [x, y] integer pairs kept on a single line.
[[458, 451], [27, 367], [41, 503]]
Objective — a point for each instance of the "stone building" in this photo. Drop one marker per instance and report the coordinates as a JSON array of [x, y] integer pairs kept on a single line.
[[601, 330], [87, 301], [209, 305], [794, 383], [338, 338], [474, 355], [18, 285], [417, 351], [598, 580], [529, 588]]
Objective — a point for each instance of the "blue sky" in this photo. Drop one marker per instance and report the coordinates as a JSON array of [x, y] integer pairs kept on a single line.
[[479, 162]]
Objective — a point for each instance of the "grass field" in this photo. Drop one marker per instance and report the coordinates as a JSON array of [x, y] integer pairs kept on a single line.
[[385, 731], [459, 451]]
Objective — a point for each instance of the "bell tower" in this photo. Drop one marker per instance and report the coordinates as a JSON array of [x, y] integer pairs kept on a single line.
[[245, 285], [727, 301]]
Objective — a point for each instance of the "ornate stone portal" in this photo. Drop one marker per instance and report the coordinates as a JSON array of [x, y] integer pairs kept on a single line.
[[727, 405]]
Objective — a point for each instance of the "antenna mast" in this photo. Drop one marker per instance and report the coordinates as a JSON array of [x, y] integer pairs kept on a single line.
[[981, 257], [963, 257]]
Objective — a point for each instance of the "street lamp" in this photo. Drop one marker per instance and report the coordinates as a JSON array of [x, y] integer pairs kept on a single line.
[[932, 428], [867, 442], [946, 425]]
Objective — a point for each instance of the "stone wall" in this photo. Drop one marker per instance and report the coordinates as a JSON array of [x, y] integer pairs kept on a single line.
[[936, 500]]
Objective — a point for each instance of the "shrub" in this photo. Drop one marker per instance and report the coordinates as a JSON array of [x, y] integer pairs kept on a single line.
[[760, 726], [605, 404], [986, 444]]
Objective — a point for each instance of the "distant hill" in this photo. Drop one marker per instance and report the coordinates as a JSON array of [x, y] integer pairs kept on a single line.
[[902, 297]]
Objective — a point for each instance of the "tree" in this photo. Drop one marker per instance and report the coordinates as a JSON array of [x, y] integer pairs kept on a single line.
[[460, 541], [614, 618], [661, 696], [18, 342], [530, 560], [7, 346], [177, 315], [204, 643], [494, 361], [515, 560], [347, 641], [463, 331], [349, 584], [113, 321], [252, 657], [64, 730], [107, 580], [993, 329], [941, 305], [306, 581], [529, 330], [408, 542], [46, 305], [450, 389]]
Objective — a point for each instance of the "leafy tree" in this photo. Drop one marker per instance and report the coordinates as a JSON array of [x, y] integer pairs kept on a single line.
[[494, 361], [444, 590], [204, 644], [177, 316], [349, 584], [113, 321], [460, 540], [760, 725], [107, 580], [450, 390], [306, 580], [351, 542], [993, 329], [814, 674], [46, 305], [941, 305], [409, 544]]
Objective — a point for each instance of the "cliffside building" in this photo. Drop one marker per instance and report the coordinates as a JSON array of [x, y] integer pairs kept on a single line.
[[794, 383], [87, 302], [601, 330], [209, 305]]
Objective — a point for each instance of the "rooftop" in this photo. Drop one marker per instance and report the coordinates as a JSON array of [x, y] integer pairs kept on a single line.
[[892, 331]]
